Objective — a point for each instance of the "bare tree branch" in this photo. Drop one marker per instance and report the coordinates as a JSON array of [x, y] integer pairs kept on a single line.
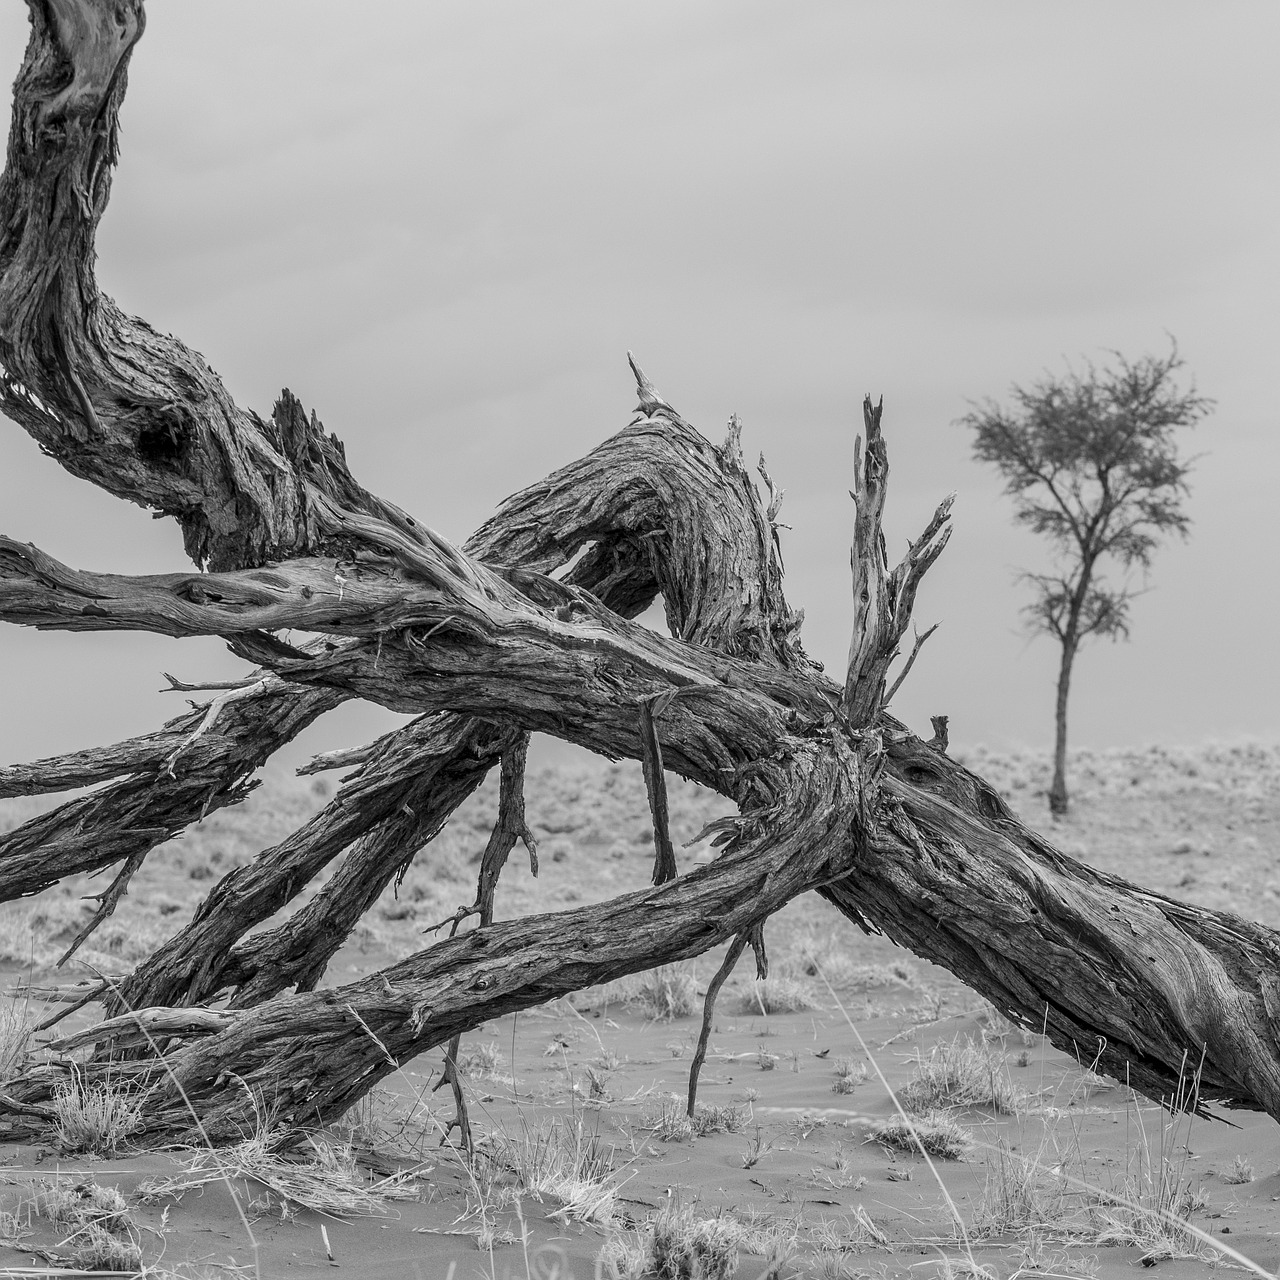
[[882, 601]]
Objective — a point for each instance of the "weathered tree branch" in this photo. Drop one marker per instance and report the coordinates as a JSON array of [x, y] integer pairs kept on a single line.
[[718, 979], [396, 802], [882, 601], [318, 1068], [139, 812], [834, 794]]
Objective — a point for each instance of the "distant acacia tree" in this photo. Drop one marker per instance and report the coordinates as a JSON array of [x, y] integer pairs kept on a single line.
[[1091, 462]]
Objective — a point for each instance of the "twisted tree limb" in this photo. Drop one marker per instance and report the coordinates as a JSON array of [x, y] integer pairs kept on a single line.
[[303, 1042], [392, 806], [835, 794], [137, 813]]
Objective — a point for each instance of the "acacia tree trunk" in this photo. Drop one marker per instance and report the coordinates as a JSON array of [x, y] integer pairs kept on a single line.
[[833, 794], [1058, 790]]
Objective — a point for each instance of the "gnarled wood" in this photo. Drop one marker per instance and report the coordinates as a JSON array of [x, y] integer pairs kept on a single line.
[[835, 795], [882, 601]]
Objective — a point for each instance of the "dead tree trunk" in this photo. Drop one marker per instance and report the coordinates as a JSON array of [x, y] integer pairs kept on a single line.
[[833, 794]]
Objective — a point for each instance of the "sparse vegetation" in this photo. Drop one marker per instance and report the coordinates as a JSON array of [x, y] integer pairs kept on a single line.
[[776, 995], [956, 1074], [663, 994], [1033, 1198], [481, 1060], [936, 1132], [101, 1236], [679, 1246], [849, 1075], [562, 1161], [95, 1118], [18, 1019], [327, 1180], [726, 1119]]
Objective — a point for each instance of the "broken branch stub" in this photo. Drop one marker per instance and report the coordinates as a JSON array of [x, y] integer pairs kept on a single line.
[[882, 600]]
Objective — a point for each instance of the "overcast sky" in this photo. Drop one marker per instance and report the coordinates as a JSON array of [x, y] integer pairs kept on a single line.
[[442, 225]]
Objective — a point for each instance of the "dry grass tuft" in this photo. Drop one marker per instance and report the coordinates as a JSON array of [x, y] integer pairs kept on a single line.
[[1022, 1193], [18, 1019], [666, 993], [481, 1061], [562, 1161], [849, 1075], [82, 1204], [1241, 1171], [93, 1249], [328, 1181], [663, 994], [936, 1131], [102, 1236], [676, 1246], [669, 1123], [776, 995], [727, 1119], [95, 1119], [834, 1243], [961, 1075]]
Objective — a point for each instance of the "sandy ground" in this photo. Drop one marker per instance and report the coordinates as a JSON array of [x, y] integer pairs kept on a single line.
[[790, 1154]]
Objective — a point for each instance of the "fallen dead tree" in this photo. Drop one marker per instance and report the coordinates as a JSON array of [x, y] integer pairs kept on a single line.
[[834, 794]]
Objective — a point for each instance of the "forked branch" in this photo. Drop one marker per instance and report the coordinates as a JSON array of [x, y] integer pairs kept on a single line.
[[882, 600]]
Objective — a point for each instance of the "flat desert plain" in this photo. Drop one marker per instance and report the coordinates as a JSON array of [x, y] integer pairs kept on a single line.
[[797, 1162]]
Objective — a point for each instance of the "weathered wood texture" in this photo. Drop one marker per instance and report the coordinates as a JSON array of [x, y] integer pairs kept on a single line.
[[834, 794]]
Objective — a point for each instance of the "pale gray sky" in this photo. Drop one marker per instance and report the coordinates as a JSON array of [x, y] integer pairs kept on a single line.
[[442, 225]]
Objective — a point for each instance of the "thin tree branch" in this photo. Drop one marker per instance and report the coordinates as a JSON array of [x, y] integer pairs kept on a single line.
[[708, 1014], [910, 662]]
